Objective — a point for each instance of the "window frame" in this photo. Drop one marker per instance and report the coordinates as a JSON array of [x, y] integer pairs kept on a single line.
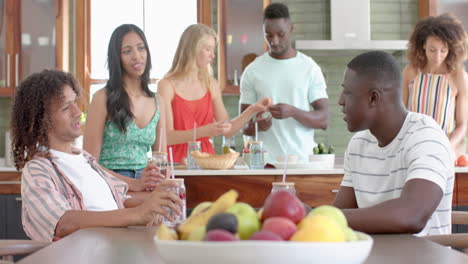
[[83, 47]]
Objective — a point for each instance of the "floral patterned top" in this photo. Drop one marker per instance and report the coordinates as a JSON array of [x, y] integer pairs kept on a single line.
[[127, 151]]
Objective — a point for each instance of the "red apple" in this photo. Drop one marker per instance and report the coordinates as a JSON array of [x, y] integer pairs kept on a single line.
[[281, 226], [220, 235], [285, 204], [265, 235]]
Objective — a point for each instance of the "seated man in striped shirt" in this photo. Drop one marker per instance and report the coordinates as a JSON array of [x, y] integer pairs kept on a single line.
[[63, 188], [399, 166]]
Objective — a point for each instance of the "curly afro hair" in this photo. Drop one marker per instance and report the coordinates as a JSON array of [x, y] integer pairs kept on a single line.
[[445, 27], [30, 115]]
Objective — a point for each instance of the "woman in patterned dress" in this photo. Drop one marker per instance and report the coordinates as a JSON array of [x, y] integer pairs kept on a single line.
[[435, 82], [125, 119]]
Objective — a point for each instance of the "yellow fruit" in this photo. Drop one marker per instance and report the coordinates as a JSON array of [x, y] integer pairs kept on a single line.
[[195, 221], [197, 234], [165, 233], [319, 228], [259, 214], [201, 207], [350, 235], [331, 211]]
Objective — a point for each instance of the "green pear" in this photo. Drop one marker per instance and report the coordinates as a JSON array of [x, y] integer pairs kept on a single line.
[[247, 220]]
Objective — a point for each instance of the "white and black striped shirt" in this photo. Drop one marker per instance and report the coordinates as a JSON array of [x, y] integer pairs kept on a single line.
[[421, 150]]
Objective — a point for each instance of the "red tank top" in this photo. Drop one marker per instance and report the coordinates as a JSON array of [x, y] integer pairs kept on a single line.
[[185, 113]]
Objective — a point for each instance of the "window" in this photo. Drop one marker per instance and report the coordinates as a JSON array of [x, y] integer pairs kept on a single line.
[[162, 21]]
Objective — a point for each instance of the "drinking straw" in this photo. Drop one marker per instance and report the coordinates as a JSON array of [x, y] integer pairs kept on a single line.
[[194, 130], [285, 165], [172, 163], [160, 139], [256, 130]]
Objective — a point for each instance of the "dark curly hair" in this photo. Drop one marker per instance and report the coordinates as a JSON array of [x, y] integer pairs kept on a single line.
[[30, 115], [276, 10], [445, 27]]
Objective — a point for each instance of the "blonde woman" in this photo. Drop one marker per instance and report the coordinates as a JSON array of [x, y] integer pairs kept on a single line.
[[194, 95]]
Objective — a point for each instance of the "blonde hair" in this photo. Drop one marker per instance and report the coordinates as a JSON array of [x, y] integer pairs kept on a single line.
[[185, 59]]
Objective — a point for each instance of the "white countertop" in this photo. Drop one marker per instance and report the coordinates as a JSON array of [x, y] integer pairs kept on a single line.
[[254, 172], [245, 171]]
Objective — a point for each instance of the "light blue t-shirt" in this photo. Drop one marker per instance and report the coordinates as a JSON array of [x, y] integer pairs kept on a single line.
[[297, 81]]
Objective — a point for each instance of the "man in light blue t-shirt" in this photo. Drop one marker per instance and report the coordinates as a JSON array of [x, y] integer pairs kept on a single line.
[[296, 86]]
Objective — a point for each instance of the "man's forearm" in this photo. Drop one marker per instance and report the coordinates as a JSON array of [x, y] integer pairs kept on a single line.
[[74, 220], [249, 129], [311, 119], [388, 217]]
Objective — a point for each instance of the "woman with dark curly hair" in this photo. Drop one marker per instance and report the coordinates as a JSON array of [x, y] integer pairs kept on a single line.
[[63, 188], [435, 82], [125, 119]]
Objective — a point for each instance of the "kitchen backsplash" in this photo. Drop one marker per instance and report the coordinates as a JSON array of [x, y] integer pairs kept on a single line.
[[390, 20]]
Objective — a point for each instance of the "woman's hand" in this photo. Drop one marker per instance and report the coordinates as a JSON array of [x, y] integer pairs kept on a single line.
[[219, 128], [262, 105], [151, 177]]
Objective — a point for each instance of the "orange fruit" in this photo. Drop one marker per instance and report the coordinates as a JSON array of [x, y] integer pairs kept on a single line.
[[462, 161]]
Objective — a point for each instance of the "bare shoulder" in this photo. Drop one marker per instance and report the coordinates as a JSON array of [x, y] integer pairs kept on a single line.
[[410, 72], [459, 75], [165, 87], [459, 78], [99, 98]]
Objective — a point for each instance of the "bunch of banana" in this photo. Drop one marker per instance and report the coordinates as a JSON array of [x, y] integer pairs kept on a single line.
[[165, 233], [201, 217]]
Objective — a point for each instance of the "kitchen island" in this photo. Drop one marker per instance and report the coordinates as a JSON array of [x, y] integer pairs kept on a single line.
[[314, 187]]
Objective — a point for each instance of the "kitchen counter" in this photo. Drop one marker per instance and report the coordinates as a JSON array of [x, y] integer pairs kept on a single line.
[[314, 187], [244, 171]]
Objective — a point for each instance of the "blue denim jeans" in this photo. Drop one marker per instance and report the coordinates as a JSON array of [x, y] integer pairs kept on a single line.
[[135, 174]]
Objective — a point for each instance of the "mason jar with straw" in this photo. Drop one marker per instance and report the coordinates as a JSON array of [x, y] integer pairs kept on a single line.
[[284, 185], [181, 192], [192, 146]]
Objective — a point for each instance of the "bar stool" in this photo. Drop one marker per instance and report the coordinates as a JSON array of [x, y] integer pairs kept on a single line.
[[454, 240]]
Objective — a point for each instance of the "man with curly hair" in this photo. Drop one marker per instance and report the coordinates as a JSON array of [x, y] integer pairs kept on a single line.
[[63, 188], [435, 82]]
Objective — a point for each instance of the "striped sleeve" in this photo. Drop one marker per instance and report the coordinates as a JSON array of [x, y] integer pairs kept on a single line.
[[347, 178], [43, 204], [429, 157]]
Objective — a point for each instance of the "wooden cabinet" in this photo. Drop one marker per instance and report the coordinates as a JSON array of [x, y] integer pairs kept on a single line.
[[313, 190], [316, 190], [252, 189], [33, 36], [460, 192]]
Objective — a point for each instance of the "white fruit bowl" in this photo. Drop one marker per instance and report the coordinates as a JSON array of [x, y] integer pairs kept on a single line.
[[265, 252], [327, 159]]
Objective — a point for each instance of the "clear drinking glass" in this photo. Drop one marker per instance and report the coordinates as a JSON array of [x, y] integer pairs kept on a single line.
[[192, 146], [256, 155], [160, 160], [283, 186], [181, 192]]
